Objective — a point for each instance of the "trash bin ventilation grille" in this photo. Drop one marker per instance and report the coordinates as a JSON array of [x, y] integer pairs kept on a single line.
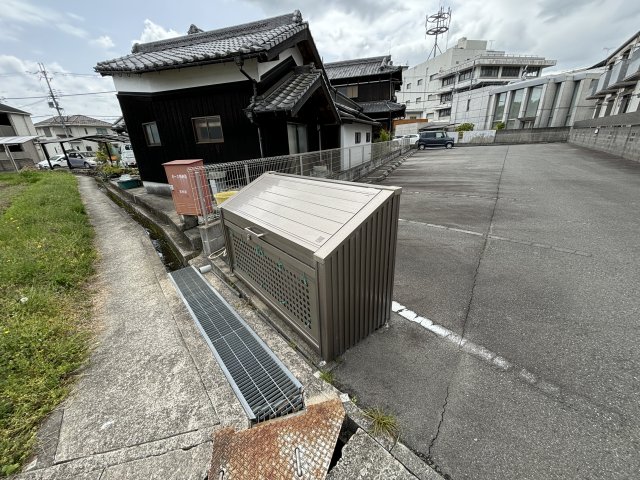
[[264, 386], [285, 285]]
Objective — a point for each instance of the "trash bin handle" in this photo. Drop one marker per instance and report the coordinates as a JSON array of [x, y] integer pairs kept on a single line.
[[258, 235]]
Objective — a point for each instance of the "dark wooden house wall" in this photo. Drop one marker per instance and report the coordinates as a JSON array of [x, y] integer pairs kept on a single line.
[[173, 111]]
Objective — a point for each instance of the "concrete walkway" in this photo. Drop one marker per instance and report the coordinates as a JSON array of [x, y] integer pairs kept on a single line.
[[152, 395], [143, 407]]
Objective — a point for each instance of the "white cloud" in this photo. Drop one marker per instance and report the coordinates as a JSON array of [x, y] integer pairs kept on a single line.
[[153, 32], [20, 79], [574, 32], [15, 14], [104, 41]]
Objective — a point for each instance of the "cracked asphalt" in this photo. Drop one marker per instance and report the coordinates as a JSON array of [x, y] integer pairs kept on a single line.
[[532, 252]]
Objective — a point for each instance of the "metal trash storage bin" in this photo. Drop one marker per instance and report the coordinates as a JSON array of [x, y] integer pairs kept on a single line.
[[320, 252]]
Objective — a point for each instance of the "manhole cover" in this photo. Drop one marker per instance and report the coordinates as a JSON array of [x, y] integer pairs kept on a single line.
[[299, 446]]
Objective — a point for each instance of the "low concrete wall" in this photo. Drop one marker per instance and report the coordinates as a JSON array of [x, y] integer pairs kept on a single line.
[[481, 137], [533, 135], [617, 135]]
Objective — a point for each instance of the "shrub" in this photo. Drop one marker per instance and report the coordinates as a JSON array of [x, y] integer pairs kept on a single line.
[[500, 126], [465, 127]]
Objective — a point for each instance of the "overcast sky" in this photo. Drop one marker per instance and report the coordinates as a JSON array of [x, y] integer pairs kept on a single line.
[[70, 36]]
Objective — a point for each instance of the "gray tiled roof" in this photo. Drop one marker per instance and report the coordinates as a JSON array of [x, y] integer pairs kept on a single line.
[[207, 47], [8, 109], [288, 92], [360, 67], [381, 106], [74, 120]]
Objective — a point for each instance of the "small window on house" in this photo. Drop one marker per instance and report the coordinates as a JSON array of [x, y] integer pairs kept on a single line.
[[445, 112], [151, 134], [468, 104], [352, 91], [418, 100], [358, 137], [368, 137], [208, 129], [89, 148], [408, 86], [419, 82], [47, 131], [16, 148], [99, 131]]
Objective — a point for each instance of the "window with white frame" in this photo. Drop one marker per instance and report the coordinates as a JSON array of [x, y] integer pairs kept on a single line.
[[368, 137], [151, 134], [418, 99], [445, 112], [208, 129], [419, 81], [358, 138], [99, 131]]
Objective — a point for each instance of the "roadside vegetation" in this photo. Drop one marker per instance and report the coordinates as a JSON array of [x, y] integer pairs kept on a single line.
[[46, 258]]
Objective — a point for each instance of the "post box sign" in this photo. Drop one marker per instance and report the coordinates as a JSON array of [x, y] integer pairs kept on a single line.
[[184, 190]]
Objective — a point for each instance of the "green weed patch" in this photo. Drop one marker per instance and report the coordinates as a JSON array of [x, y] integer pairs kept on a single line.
[[46, 257]]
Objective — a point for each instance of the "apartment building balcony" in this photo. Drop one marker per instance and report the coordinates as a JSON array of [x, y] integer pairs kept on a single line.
[[633, 69], [618, 74], [601, 89], [443, 106]]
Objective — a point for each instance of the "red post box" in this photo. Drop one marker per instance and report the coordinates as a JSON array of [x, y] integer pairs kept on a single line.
[[187, 198]]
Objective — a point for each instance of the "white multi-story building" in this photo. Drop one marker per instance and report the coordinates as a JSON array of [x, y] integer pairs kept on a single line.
[[430, 88], [77, 126], [556, 100]]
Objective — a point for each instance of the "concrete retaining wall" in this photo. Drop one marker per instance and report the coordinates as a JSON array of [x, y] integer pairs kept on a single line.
[[533, 135], [621, 140], [616, 134]]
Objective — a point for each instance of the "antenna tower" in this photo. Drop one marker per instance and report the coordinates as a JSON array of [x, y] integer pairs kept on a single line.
[[436, 25]]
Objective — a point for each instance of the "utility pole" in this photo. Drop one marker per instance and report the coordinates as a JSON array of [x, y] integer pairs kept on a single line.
[[56, 105]]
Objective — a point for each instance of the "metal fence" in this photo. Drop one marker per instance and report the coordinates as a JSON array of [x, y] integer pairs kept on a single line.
[[349, 164]]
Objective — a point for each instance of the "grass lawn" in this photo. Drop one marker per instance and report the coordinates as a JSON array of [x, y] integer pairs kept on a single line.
[[46, 257]]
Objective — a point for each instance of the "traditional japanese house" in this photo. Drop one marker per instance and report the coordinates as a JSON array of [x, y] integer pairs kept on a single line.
[[372, 83], [248, 91]]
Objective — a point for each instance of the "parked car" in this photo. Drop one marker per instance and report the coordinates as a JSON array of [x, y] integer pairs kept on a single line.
[[127, 157], [413, 137], [76, 159], [434, 139]]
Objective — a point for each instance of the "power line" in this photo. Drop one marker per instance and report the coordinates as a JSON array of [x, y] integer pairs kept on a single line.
[[62, 95]]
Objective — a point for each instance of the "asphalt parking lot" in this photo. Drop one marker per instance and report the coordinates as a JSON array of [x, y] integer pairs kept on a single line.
[[531, 252]]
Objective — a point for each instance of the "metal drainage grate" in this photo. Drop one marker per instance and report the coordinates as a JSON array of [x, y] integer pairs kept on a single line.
[[264, 386]]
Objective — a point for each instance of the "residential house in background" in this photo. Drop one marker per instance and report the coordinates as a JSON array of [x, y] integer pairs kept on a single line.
[[77, 126], [549, 101], [430, 88], [615, 126], [372, 83], [242, 92], [17, 134], [618, 88]]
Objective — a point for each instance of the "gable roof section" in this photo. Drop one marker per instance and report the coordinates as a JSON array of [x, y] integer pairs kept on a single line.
[[249, 39], [290, 93], [382, 106], [7, 109], [72, 120], [360, 67]]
